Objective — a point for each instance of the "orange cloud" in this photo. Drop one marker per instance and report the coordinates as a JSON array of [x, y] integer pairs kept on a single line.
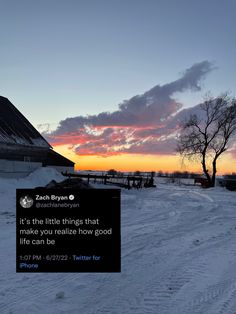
[[140, 134]]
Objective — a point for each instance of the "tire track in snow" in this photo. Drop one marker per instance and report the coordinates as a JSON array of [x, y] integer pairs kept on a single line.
[[164, 296], [227, 306], [216, 237], [158, 292], [212, 296], [15, 300]]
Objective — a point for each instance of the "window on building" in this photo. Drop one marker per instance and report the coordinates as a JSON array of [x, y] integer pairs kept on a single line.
[[27, 158]]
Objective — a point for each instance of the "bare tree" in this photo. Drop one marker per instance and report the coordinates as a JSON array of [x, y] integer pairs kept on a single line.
[[205, 138], [112, 172]]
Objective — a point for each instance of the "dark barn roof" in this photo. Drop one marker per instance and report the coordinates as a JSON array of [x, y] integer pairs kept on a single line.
[[55, 159], [16, 129]]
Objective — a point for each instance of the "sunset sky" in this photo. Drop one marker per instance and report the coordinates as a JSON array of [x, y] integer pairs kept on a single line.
[[108, 82]]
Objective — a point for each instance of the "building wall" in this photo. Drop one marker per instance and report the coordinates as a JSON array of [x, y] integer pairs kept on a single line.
[[17, 169], [63, 169], [21, 153]]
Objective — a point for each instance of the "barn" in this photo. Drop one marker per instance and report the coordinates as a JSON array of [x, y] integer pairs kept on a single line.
[[22, 148]]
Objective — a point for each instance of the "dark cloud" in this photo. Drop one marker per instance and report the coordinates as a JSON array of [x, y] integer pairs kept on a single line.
[[142, 124]]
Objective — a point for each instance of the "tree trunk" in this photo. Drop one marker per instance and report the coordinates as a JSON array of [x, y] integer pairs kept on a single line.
[[213, 178], [205, 170]]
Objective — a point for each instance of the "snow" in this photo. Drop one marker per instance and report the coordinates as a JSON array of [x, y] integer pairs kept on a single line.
[[178, 257], [39, 177]]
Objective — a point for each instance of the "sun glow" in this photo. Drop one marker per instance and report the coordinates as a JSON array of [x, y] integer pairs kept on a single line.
[[142, 162]]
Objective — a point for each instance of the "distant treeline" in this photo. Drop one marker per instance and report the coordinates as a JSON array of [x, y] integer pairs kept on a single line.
[[160, 173], [175, 174], [230, 176]]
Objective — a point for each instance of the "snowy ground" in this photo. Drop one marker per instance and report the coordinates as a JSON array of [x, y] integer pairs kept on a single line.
[[178, 257]]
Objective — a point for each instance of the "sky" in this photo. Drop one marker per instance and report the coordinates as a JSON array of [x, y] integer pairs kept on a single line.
[[101, 78]]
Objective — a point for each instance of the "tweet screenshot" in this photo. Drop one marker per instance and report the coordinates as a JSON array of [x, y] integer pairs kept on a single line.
[[68, 230]]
